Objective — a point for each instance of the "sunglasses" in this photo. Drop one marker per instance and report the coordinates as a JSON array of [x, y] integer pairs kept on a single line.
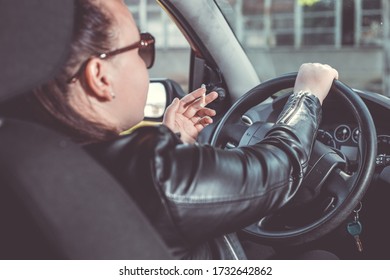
[[145, 47]]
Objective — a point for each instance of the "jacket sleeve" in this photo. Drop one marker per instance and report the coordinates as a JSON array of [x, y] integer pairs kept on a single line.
[[203, 191]]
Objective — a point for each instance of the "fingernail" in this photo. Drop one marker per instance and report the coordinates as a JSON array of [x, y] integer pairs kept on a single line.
[[203, 86]]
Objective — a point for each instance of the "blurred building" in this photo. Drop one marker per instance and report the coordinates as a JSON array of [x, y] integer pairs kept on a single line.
[[308, 22], [273, 23]]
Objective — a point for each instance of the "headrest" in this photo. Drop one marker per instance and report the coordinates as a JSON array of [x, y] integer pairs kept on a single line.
[[35, 37]]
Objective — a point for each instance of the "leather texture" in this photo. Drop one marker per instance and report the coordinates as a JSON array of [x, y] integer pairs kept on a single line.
[[193, 194]]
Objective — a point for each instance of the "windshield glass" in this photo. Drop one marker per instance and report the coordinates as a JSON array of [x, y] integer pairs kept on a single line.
[[279, 35]]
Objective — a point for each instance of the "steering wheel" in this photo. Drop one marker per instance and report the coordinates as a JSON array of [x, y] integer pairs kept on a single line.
[[335, 191]]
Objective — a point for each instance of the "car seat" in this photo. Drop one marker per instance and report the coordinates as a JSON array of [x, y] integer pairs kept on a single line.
[[56, 202]]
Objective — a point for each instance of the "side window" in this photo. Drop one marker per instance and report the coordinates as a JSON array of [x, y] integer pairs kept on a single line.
[[172, 49]]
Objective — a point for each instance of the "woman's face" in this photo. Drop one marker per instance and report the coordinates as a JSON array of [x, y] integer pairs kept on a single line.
[[130, 79]]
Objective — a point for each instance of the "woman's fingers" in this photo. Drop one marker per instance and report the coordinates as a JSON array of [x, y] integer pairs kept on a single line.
[[315, 78], [191, 97], [206, 112], [210, 98], [198, 105], [203, 122]]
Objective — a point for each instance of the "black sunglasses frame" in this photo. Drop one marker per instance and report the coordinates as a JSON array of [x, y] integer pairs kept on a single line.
[[146, 50]]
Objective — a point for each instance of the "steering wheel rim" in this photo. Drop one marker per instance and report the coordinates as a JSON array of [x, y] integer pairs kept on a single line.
[[363, 175]]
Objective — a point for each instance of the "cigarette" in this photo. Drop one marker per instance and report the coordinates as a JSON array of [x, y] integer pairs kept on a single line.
[[203, 98]]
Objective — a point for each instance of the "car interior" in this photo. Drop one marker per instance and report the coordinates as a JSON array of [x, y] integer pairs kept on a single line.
[[58, 203]]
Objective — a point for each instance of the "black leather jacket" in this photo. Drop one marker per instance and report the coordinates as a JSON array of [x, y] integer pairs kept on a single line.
[[193, 194]]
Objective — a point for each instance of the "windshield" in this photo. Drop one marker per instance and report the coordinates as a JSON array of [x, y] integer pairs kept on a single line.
[[279, 35]]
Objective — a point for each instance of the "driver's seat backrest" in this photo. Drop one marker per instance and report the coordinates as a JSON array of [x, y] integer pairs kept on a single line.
[[56, 202]]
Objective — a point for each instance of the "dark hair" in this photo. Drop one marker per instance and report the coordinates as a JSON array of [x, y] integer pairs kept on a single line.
[[92, 34]]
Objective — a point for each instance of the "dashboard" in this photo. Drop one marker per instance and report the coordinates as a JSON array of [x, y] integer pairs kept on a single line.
[[340, 131], [344, 137]]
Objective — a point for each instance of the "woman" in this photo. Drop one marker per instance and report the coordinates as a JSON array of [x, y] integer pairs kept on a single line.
[[190, 193]]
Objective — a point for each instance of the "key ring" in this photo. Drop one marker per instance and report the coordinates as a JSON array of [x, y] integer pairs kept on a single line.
[[357, 210], [359, 207]]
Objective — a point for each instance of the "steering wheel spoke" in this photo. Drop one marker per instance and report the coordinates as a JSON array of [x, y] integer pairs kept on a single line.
[[323, 161], [232, 135], [339, 185]]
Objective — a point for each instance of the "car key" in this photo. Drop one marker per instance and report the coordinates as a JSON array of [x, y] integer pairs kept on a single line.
[[355, 228]]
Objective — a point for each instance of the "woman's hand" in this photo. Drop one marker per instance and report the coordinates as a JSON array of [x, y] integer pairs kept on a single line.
[[315, 78], [188, 116]]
